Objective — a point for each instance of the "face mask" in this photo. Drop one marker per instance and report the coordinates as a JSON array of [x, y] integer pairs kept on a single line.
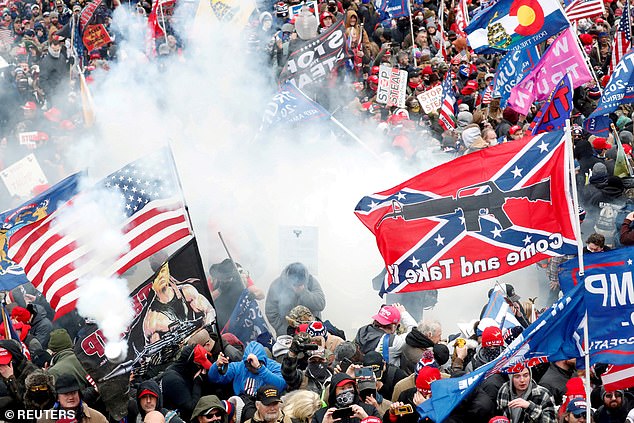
[[318, 371], [345, 398], [39, 397], [266, 25]]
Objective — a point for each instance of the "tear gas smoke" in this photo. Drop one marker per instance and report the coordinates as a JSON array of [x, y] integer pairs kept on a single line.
[[208, 104]]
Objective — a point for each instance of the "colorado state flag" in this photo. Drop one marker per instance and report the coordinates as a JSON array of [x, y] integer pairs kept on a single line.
[[510, 23]]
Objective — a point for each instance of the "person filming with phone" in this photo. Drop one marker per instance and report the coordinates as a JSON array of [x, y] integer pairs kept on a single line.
[[344, 404]]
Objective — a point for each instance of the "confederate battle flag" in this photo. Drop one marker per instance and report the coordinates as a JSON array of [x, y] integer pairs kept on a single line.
[[477, 217]]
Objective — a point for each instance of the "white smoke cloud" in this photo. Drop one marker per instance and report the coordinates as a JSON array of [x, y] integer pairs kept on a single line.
[[208, 105]]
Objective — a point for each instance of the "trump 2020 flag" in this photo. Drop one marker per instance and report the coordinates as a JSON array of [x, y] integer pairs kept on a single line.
[[556, 110], [511, 69], [476, 217], [290, 105], [515, 23], [563, 56], [246, 321], [618, 91], [550, 338], [608, 289]]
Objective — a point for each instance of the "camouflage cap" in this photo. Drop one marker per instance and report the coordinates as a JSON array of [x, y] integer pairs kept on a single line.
[[299, 314]]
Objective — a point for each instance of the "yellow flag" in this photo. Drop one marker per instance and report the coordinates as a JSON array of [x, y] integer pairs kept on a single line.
[[86, 102], [622, 167]]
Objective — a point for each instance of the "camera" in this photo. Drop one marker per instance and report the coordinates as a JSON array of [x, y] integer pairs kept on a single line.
[[341, 413]]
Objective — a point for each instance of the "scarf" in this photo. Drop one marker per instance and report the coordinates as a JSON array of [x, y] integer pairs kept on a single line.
[[515, 412]]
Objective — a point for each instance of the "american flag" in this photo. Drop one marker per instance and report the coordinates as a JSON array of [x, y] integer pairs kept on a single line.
[[622, 37], [447, 118], [56, 252], [584, 9], [488, 94], [439, 38]]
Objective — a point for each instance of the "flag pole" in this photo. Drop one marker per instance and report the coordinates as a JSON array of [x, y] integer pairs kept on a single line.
[[411, 28], [180, 186], [235, 267], [353, 136], [574, 215]]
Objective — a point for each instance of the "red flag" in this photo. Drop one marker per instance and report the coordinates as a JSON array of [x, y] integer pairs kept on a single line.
[[618, 377], [477, 217], [462, 17]]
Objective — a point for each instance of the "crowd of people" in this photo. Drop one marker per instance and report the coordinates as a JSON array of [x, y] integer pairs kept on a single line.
[[309, 371]]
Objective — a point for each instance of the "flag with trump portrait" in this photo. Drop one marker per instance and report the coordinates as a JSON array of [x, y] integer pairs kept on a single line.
[[476, 217]]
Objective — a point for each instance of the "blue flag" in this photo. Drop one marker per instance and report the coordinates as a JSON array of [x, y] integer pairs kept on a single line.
[[394, 8], [290, 105], [11, 274], [608, 290], [508, 24], [246, 321], [498, 313], [511, 69], [618, 91], [556, 110], [551, 337]]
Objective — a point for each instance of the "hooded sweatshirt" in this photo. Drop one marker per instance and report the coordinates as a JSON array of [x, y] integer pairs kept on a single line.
[[207, 403], [16, 385], [243, 381], [332, 401], [152, 386]]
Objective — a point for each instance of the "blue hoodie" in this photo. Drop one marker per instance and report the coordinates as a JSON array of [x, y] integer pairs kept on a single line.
[[269, 374]]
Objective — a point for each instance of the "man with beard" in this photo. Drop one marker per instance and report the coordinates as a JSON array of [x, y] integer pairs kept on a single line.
[[614, 409], [267, 405], [173, 303]]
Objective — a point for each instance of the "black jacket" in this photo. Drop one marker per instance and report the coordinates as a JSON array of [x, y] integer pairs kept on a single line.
[[555, 380], [339, 377]]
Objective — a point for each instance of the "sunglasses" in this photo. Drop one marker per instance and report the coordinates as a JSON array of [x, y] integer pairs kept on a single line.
[[38, 388], [614, 394], [580, 415], [212, 415]]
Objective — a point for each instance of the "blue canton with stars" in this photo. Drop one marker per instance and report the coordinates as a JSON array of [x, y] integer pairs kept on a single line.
[[451, 227], [145, 180]]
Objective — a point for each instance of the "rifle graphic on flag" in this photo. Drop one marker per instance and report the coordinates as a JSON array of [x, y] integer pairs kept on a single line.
[[504, 208]]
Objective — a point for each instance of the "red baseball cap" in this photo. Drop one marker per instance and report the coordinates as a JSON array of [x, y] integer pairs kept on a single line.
[[147, 392], [5, 356], [387, 315], [492, 337]]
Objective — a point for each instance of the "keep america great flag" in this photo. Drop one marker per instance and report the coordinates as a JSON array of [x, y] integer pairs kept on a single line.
[[476, 217]]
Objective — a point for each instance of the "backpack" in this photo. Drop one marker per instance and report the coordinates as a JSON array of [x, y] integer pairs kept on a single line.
[[606, 223]]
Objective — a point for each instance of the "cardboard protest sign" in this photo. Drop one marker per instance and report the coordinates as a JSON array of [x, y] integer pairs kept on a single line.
[[22, 176], [392, 86], [95, 36], [431, 100]]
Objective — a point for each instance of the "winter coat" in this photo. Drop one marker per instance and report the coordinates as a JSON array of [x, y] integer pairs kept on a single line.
[[555, 380], [540, 410], [281, 299], [153, 386], [65, 362], [41, 326], [53, 71], [415, 343], [181, 391], [370, 338], [332, 401], [89, 415], [243, 381], [15, 385]]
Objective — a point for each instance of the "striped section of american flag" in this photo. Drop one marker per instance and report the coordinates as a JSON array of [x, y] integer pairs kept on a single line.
[[447, 118], [488, 94], [584, 9], [56, 252], [622, 37]]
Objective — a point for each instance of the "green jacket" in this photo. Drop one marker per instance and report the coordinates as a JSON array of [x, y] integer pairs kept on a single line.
[[65, 362]]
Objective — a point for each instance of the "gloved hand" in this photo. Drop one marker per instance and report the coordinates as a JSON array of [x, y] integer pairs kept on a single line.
[[201, 357], [299, 341]]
